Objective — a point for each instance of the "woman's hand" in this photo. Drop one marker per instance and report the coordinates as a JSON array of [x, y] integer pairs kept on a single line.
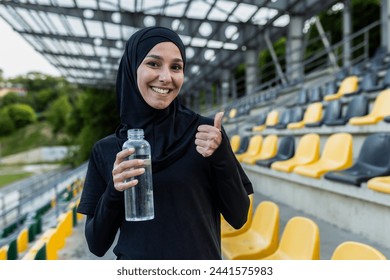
[[208, 138], [125, 169]]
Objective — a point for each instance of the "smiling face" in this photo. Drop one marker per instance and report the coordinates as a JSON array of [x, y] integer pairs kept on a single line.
[[161, 75]]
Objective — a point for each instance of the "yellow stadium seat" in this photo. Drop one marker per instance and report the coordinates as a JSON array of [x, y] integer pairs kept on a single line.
[[348, 85], [227, 230], [254, 147], [308, 151], [380, 109], [337, 155], [300, 241], [22, 240], [235, 142], [50, 237], [268, 150], [271, 120], [260, 240], [33, 251], [313, 113], [380, 184], [232, 113], [351, 250], [3, 252]]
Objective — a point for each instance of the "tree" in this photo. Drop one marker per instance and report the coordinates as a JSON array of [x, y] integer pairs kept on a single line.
[[6, 123], [58, 112], [21, 114]]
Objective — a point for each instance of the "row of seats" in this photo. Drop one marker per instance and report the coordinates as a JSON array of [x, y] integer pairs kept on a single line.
[[31, 243], [357, 113], [335, 161], [259, 239]]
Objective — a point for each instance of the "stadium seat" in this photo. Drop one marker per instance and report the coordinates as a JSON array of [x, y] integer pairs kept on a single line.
[[244, 142], [232, 113], [300, 241], [380, 184], [3, 252], [332, 112], [379, 110], [351, 250], [235, 142], [271, 120], [302, 98], [284, 119], [227, 230], [285, 151], [260, 240], [358, 106], [308, 151], [329, 88], [337, 155], [315, 94], [254, 147], [369, 164], [312, 114], [370, 83], [22, 240], [268, 149], [293, 115], [348, 85], [387, 119]]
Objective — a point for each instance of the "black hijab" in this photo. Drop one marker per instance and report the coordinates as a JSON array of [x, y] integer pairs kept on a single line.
[[169, 131]]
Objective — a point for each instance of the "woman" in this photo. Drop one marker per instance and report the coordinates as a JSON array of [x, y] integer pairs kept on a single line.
[[195, 174]]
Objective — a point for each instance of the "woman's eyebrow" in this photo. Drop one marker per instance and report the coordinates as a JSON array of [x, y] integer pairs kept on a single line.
[[160, 58]]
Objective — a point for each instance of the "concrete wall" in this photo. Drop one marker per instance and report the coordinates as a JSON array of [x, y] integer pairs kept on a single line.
[[43, 154]]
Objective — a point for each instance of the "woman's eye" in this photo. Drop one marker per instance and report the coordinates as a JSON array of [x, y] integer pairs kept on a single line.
[[152, 64], [177, 67]]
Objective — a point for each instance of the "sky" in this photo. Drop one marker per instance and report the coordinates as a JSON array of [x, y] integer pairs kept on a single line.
[[18, 57]]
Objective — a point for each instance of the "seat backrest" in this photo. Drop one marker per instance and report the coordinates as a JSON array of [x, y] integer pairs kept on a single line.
[[286, 146], [369, 80], [235, 142], [308, 147], [348, 85], [315, 95], [296, 114], [330, 88], [272, 118], [301, 239], [357, 107], [254, 143], [285, 117], [338, 148], [269, 146], [373, 149], [332, 111], [232, 113], [244, 143], [302, 98], [351, 250], [313, 113], [381, 105], [386, 78], [266, 221]]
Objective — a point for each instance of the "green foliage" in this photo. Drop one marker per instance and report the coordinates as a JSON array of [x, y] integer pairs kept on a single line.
[[93, 117], [10, 98], [58, 112], [21, 114], [6, 123]]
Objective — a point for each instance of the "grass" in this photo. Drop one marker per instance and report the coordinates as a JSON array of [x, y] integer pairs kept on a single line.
[[29, 137], [10, 178]]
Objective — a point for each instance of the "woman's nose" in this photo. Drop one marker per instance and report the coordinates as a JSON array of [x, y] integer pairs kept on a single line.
[[165, 75]]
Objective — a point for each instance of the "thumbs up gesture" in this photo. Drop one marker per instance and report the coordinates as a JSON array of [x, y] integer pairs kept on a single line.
[[208, 138]]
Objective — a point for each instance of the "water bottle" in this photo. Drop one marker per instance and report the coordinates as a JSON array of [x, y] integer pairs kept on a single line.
[[139, 204]]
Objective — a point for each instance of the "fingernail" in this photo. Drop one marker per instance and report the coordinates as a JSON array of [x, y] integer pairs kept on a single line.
[[131, 150]]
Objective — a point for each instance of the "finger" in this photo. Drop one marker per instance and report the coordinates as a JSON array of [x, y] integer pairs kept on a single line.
[[207, 128], [218, 120], [125, 185], [122, 155]]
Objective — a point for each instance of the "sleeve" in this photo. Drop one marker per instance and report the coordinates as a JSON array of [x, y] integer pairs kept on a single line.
[[103, 206], [232, 184]]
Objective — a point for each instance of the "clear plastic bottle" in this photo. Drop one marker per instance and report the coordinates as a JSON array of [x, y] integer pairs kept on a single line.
[[139, 204]]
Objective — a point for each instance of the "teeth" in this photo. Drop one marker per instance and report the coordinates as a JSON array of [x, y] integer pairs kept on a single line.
[[160, 90]]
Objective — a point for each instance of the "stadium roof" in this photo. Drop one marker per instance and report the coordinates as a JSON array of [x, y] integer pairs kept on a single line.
[[85, 39]]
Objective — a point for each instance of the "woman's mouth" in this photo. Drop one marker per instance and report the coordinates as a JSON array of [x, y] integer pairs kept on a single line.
[[161, 90]]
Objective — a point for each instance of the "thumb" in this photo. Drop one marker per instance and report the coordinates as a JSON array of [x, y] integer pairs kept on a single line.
[[218, 120]]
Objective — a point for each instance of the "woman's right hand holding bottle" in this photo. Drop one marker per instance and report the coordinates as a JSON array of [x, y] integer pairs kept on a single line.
[[124, 169]]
